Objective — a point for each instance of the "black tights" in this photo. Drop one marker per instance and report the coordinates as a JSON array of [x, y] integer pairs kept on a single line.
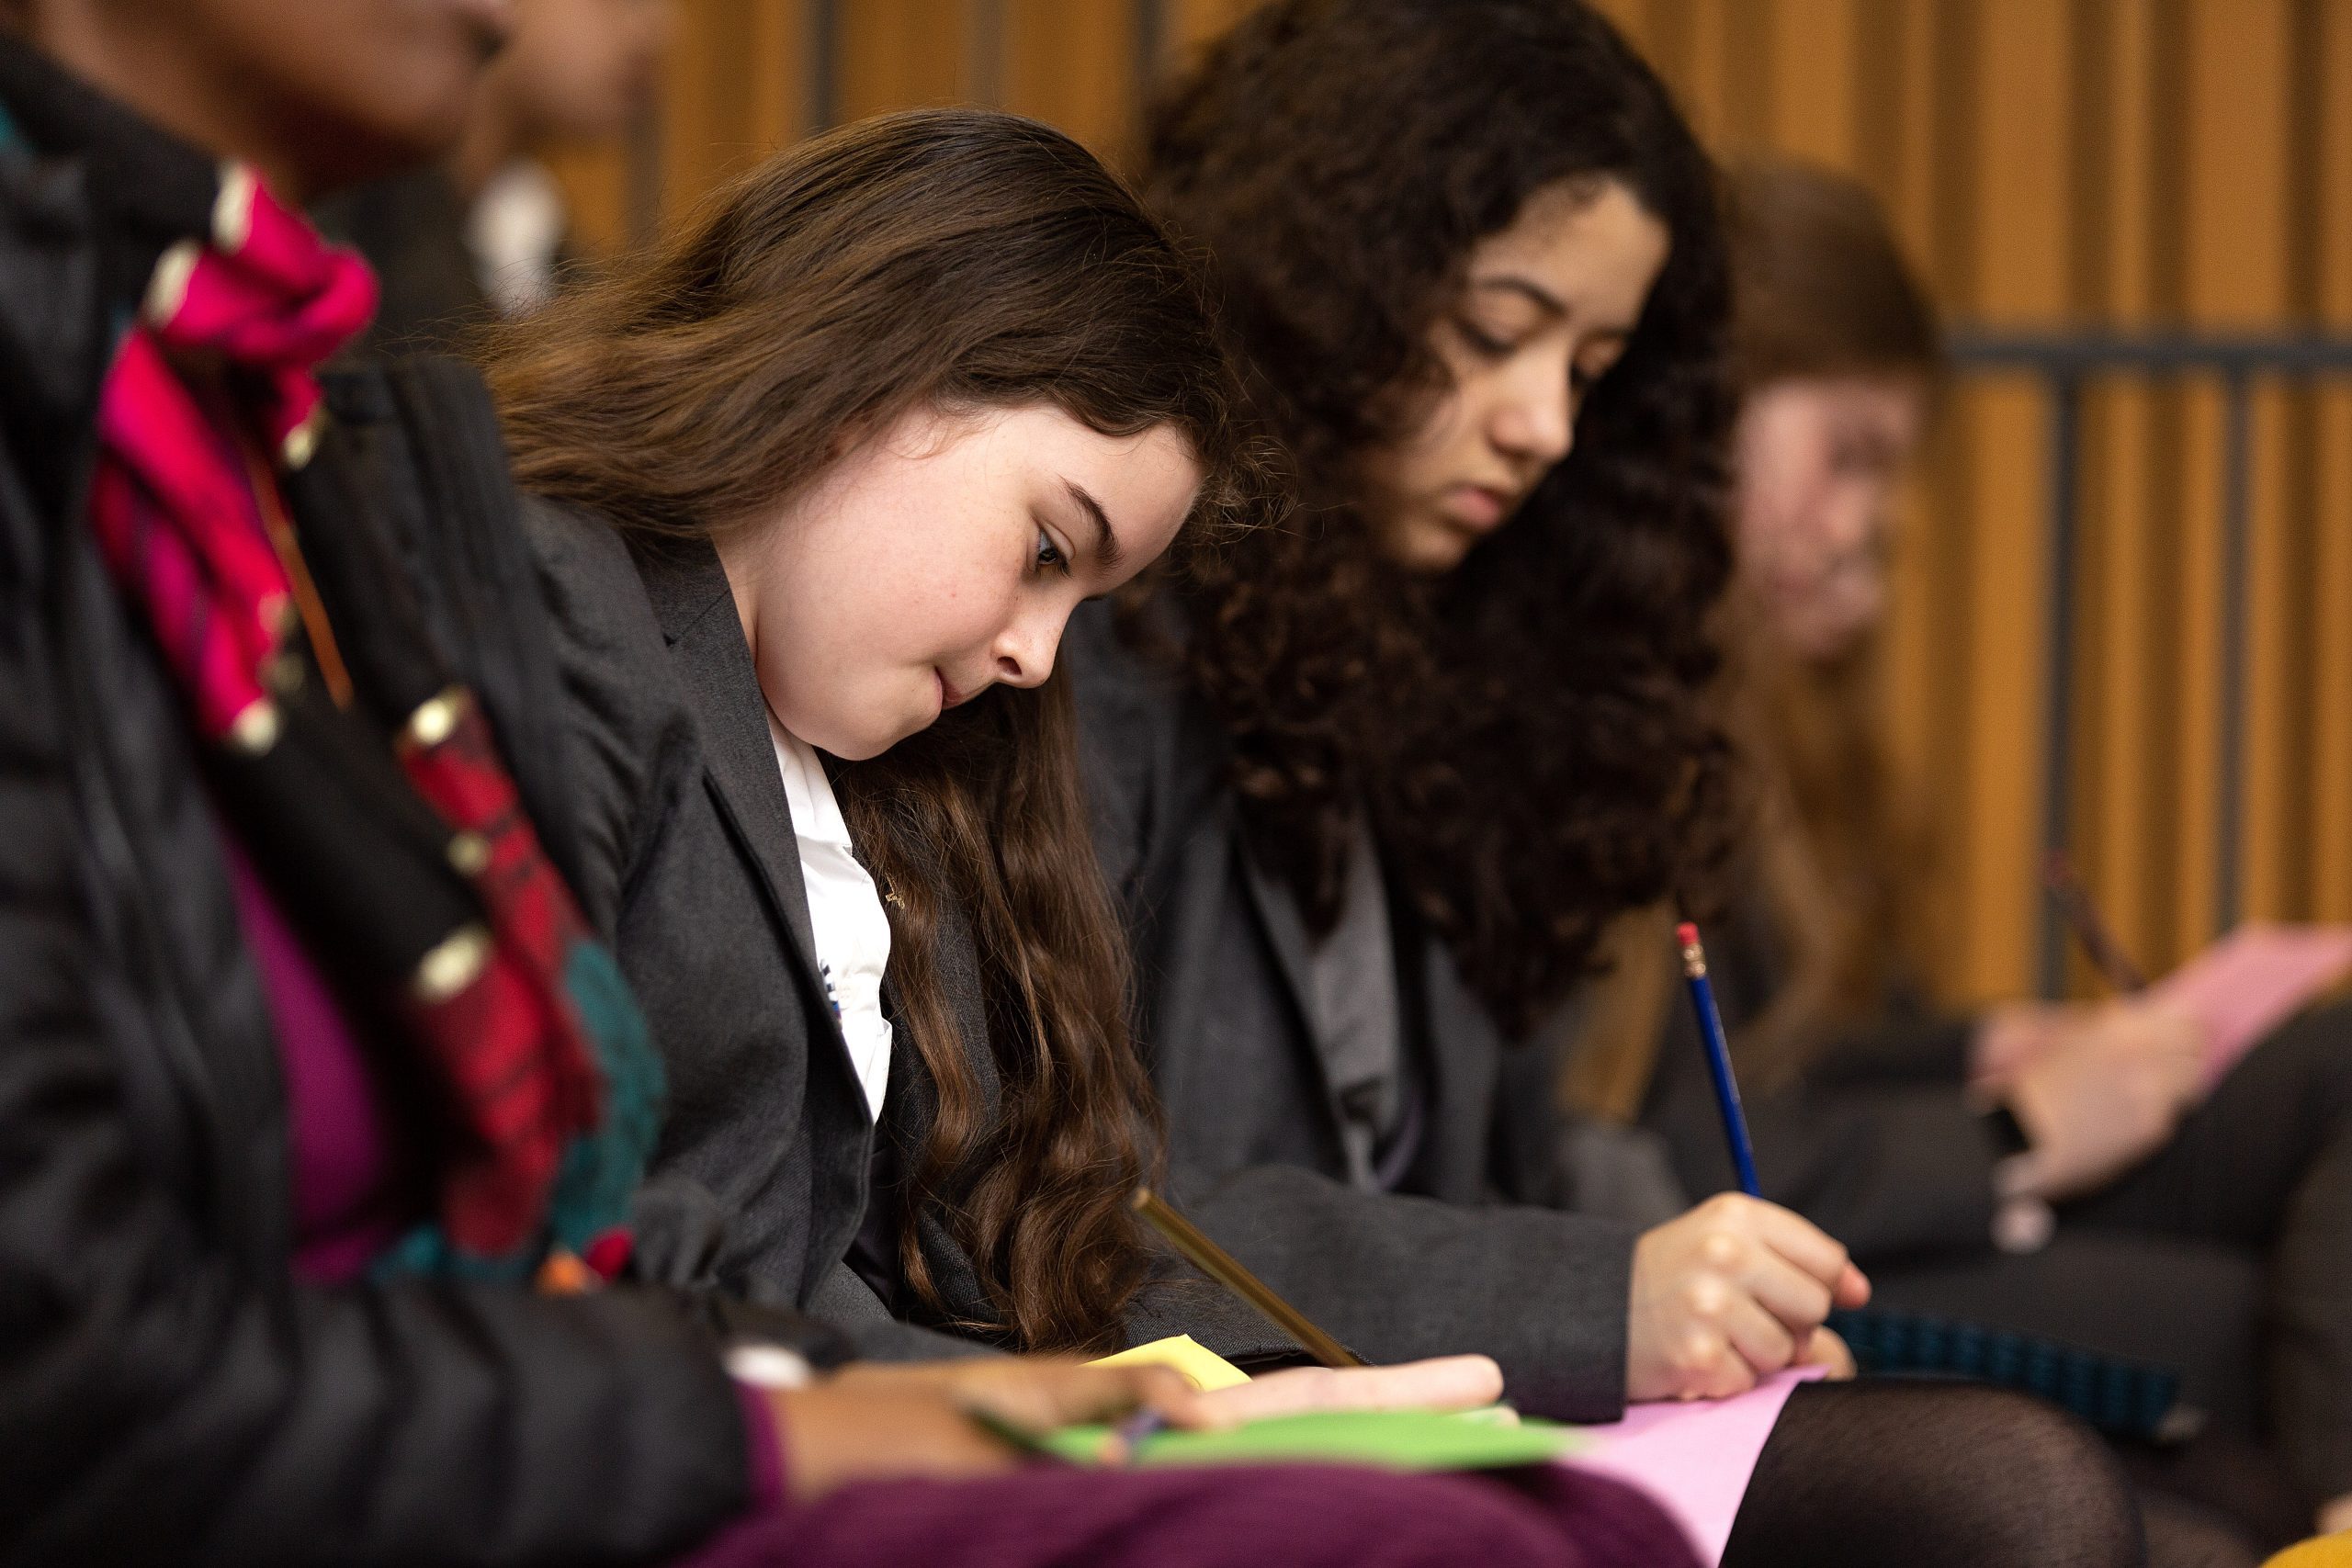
[[1932, 1475]]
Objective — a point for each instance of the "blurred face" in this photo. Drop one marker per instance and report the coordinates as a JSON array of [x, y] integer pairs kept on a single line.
[[1546, 309], [318, 93], [1818, 463], [579, 70], [941, 557]]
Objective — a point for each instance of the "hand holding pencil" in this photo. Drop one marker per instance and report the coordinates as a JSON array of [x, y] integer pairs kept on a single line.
[[1731, 1292], [1737, 1289]]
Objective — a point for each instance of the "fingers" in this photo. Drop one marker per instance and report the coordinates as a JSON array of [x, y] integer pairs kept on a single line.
[[1791, 1295], [1827, 1349], [1798, 1239], [1448, 1383], [1852, 1289], [1707, 1365], [1819, 1255], [1044, 1394], [1762, 1340]]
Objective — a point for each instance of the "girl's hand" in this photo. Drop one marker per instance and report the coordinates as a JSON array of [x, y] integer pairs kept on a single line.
[[877, 1422], [1827, 1349], [1447, 1382], [1728, 1293], [2105, 1098], [2012, 1036]]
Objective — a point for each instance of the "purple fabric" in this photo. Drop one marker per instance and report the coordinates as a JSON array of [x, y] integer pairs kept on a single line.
[[743, 1540], [1299, 1517], [763, 1449], [346, 1203]]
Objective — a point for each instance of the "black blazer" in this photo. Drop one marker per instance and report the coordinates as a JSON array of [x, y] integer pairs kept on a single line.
[[691, 863], [168, 1392], [1466, 1254]]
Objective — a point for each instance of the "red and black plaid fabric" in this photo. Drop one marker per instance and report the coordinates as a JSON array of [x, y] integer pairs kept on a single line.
[[407, 853]]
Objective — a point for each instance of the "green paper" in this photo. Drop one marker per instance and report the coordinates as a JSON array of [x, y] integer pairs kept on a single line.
[[1392, 1439]]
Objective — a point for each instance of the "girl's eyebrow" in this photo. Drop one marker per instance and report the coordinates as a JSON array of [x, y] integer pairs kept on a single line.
[[1542, 297], [1107, 550]]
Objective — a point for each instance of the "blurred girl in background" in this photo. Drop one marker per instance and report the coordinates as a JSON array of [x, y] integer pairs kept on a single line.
[[1937, 1144]]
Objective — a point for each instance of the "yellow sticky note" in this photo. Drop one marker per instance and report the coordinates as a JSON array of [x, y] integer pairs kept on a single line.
[[1204, 1366], [2326, 1552]]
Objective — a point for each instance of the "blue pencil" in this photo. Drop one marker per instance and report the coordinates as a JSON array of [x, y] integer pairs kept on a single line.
[[1711, 1030]]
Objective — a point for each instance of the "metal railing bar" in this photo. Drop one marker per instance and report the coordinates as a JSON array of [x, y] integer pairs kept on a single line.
[[2058, 696], [2063, 362], [2236, 523], [2054, 353]]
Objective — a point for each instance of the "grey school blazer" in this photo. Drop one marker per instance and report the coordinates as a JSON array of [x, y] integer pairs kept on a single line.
[[694, 873], [1466, 1254]]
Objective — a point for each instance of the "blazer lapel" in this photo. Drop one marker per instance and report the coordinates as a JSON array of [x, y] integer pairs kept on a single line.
[[1287, 935], [1463, 1052], [691, 599]]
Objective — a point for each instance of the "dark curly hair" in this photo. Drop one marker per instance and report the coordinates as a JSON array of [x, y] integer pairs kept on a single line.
[[1531, 734]]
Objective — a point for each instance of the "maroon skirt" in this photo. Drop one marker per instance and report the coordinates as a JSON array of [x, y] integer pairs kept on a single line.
[[1284, 1516]]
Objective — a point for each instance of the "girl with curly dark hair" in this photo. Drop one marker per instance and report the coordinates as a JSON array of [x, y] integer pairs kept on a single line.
[[1371, 785]]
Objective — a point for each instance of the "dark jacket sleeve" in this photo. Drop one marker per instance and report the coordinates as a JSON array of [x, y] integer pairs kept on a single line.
[[160, 1401], [1392, 1277], [629, 732], [1877, 1145], [1396, 1277]]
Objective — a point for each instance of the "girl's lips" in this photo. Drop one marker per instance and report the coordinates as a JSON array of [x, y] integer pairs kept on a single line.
[[948, 696], [1477, 506]]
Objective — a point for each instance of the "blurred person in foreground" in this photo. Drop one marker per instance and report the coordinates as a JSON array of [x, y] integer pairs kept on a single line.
[[2059, 1168], [484, 234]]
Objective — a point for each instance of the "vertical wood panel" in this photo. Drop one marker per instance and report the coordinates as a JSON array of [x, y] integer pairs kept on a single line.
[[2025, 55], [2331, 194], [1814, 115], [895, 55], [2113, 822], [1194, 23], [1918, 640], [1074, 68]]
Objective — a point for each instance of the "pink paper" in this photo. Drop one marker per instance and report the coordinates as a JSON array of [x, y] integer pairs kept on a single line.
[[2248, 983], [1695, 1457]]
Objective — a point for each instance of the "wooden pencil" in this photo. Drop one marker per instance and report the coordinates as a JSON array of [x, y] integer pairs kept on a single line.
[[1221, 1266]]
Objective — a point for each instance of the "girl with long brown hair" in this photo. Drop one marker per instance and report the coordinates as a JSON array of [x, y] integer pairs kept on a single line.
[[854, 446], [2050, 1168]]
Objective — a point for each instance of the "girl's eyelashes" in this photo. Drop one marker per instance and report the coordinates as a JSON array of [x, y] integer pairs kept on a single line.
[[1483, 341], [1049, 555]]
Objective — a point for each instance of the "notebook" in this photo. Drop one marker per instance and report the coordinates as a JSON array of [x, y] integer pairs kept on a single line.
[[2250, 982]]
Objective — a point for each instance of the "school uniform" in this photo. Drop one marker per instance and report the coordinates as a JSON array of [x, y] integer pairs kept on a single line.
[[1394, 1169], [691, 861]]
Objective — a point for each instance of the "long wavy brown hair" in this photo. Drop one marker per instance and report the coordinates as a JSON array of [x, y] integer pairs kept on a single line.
[[1823, 290], [1528, 734], [962, 261], [1838, 858]]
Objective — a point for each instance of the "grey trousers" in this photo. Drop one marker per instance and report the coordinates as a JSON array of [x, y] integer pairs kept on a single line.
[[2228, 1255]]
